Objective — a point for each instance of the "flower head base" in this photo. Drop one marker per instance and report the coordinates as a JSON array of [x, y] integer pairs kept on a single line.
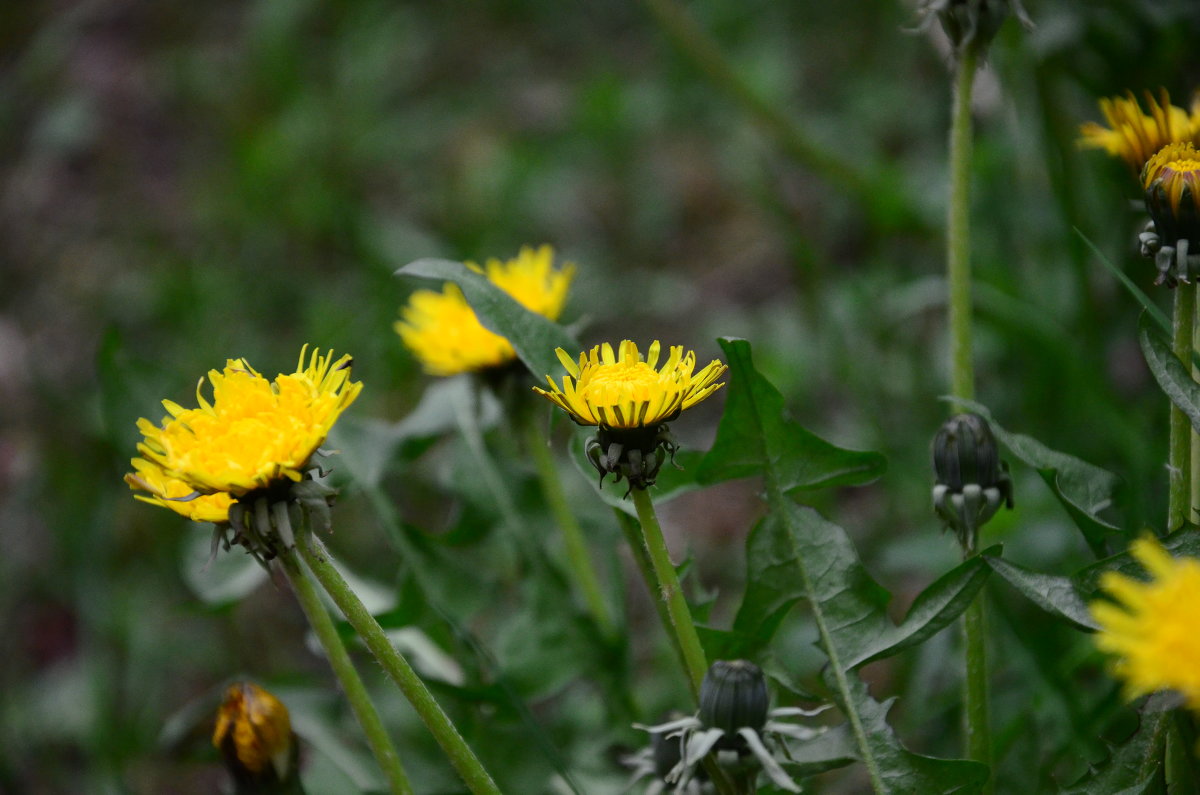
[[630, 399], [1151, 627], [1171, 180], [971, 480], [252, 444], [254, 735], [733, 722], [1135, 136], [445, 334]]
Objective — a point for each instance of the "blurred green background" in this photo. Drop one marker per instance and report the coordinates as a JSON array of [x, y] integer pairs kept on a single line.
[[186, 182]]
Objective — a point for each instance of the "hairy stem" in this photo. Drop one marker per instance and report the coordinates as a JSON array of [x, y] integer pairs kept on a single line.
[[958, 231], [397, 668], [1179, 464], [670, 592], [343, 668]]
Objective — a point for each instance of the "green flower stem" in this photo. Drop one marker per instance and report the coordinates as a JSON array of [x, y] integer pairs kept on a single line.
[[633, 536], [1195, 458], [958, 231], [343, 667], [669, 591], [576, 548], [1179, 464], [464, 760], [979, 735], [958, 267]]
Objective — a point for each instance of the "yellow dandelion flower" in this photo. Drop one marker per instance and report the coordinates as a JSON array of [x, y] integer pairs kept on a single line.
[[1152, 627], [173, 493], [254, 734], [1172, 173], [444, 333], [1135, 136], [625, 391], [253, 434]]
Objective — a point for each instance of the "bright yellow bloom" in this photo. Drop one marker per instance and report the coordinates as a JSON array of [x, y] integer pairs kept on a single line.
[[625, 391], [254, 433], [443, 331], [1154, 629], [253, 731], [173, 493], [1176, 169], [1135, 136]]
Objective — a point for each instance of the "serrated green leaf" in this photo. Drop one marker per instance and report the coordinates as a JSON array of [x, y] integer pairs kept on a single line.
[[533, 337], [831, 749], [1135, 766], [900, 771], [757, 431], [1083, 489], [1055, 594], [1170, 373]]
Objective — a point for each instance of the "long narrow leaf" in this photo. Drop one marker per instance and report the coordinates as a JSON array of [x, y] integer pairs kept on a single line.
[[532, 336]]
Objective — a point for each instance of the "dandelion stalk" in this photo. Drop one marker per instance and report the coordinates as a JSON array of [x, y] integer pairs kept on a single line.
[[958, 265], [343, 668], [1194, 499], [397, 668], [670, 592], [576, 548], [633, 536], [1179, 463]]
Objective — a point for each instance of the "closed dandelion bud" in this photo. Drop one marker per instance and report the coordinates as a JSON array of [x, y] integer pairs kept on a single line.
[[972, 23], [1171, 179], [254, 735], [733, 696], [971, 480]]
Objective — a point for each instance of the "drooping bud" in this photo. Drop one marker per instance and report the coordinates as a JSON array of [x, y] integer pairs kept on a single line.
[[254, 735], [733, 696], [1171, 180], [972, 23], [971, 480]]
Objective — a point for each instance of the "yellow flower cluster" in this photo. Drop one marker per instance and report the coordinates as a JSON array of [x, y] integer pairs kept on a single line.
[[444, 333], [254, 433], [1135, 136], [1153, 628], [624, 391]]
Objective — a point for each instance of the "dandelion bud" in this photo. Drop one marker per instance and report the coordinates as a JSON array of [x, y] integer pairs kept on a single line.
[[972, 481], [254, 735], [733, 696], [972, 23], [1171, 179]]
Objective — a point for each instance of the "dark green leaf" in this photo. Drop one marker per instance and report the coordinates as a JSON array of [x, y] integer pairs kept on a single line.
[[1052, 593], [1084, 490], [1135, 766], [900, 771], [933, 609], [757, 432], [532, 336], [1184, 542], [1174, 379]]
